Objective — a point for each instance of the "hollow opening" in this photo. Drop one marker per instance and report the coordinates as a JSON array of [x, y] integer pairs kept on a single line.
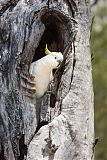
[[53, 36]]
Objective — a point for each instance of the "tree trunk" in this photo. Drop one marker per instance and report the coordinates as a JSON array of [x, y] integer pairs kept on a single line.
[[60, 125]]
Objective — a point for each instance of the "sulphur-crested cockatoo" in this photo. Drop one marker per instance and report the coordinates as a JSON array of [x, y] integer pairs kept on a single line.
[[41, 70]]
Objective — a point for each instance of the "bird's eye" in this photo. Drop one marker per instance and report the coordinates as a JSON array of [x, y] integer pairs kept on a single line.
[[55, 57]]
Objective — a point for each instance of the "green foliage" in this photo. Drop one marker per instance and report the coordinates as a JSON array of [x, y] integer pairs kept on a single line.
[[99, 48]]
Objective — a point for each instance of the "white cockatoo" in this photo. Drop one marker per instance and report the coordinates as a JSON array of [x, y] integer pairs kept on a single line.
[[41, 70]]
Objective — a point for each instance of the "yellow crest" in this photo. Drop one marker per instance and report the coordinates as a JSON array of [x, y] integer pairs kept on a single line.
[[47, 51]]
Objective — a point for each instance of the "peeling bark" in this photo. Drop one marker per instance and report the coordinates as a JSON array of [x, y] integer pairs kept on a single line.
[[59, 125]]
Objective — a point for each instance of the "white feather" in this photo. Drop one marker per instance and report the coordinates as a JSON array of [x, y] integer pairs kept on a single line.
[[41, 70]]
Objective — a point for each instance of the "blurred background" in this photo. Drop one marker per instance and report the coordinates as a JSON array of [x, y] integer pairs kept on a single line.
[[99, 50]]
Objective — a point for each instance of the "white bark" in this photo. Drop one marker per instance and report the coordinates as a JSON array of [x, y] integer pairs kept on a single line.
[[73, 129], [24, 33]]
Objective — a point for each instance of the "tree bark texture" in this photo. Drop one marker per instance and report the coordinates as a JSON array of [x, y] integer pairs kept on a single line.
[[60, 125]]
